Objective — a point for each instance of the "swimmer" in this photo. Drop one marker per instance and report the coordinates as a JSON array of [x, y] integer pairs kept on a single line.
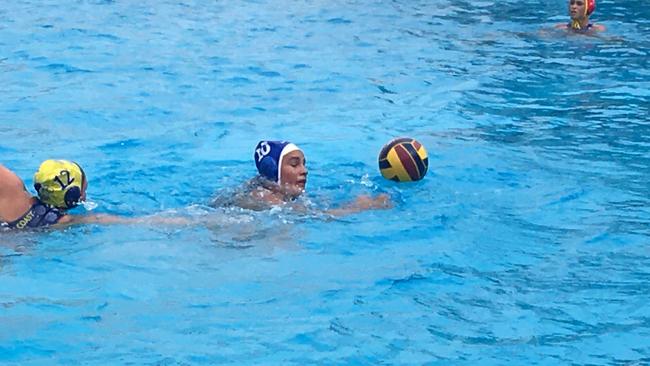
[[283, 178], [60, 185], [579, 11]]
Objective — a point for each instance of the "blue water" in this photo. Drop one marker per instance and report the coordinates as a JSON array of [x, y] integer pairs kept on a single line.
[[525, 244]]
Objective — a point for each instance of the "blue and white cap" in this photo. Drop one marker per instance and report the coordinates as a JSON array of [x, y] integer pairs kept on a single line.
[[268, 158]]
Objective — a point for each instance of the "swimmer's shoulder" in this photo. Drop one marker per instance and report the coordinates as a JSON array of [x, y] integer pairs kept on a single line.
[[9, 181], [598, 27], [14, 198], [593, 27], [258, 192], [265, 196]]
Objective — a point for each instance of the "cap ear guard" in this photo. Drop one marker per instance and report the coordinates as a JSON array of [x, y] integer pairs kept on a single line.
[[72, 197], [268, 168]]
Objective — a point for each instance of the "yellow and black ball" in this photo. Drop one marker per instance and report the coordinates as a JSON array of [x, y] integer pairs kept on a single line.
[[403, 160]]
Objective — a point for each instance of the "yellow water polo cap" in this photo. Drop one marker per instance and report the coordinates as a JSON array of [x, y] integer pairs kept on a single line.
[[59, 183]]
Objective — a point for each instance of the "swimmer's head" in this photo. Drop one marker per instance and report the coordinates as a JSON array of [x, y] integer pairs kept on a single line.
[[60, 183], [579, 9], [283, 163]]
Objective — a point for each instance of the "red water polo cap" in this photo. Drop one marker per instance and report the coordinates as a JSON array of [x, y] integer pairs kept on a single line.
[[590, 7]]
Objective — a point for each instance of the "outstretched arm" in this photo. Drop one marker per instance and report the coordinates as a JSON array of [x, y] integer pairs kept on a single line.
[[107, 219]]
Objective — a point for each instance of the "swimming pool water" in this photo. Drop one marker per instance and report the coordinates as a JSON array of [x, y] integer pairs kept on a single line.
[[525, 244]]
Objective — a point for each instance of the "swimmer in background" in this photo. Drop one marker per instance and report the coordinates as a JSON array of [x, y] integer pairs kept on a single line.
[[579, 11], [60, 185], [282, 179]]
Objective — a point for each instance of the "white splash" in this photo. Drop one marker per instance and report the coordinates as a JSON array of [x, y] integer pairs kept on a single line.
[[89, 205]]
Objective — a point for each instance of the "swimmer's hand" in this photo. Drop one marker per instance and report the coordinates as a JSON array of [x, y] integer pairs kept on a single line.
[[363, 203], [379, 202]]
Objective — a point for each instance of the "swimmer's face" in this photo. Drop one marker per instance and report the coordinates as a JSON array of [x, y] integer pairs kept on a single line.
[[294, 173], [577, 9]]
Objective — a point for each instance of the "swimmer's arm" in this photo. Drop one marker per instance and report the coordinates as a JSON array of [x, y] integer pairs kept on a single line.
[[363, 203], [107, 219], [93, 219]]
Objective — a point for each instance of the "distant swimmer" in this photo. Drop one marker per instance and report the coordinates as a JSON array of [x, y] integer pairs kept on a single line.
[[283, 178], [579, 11]]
